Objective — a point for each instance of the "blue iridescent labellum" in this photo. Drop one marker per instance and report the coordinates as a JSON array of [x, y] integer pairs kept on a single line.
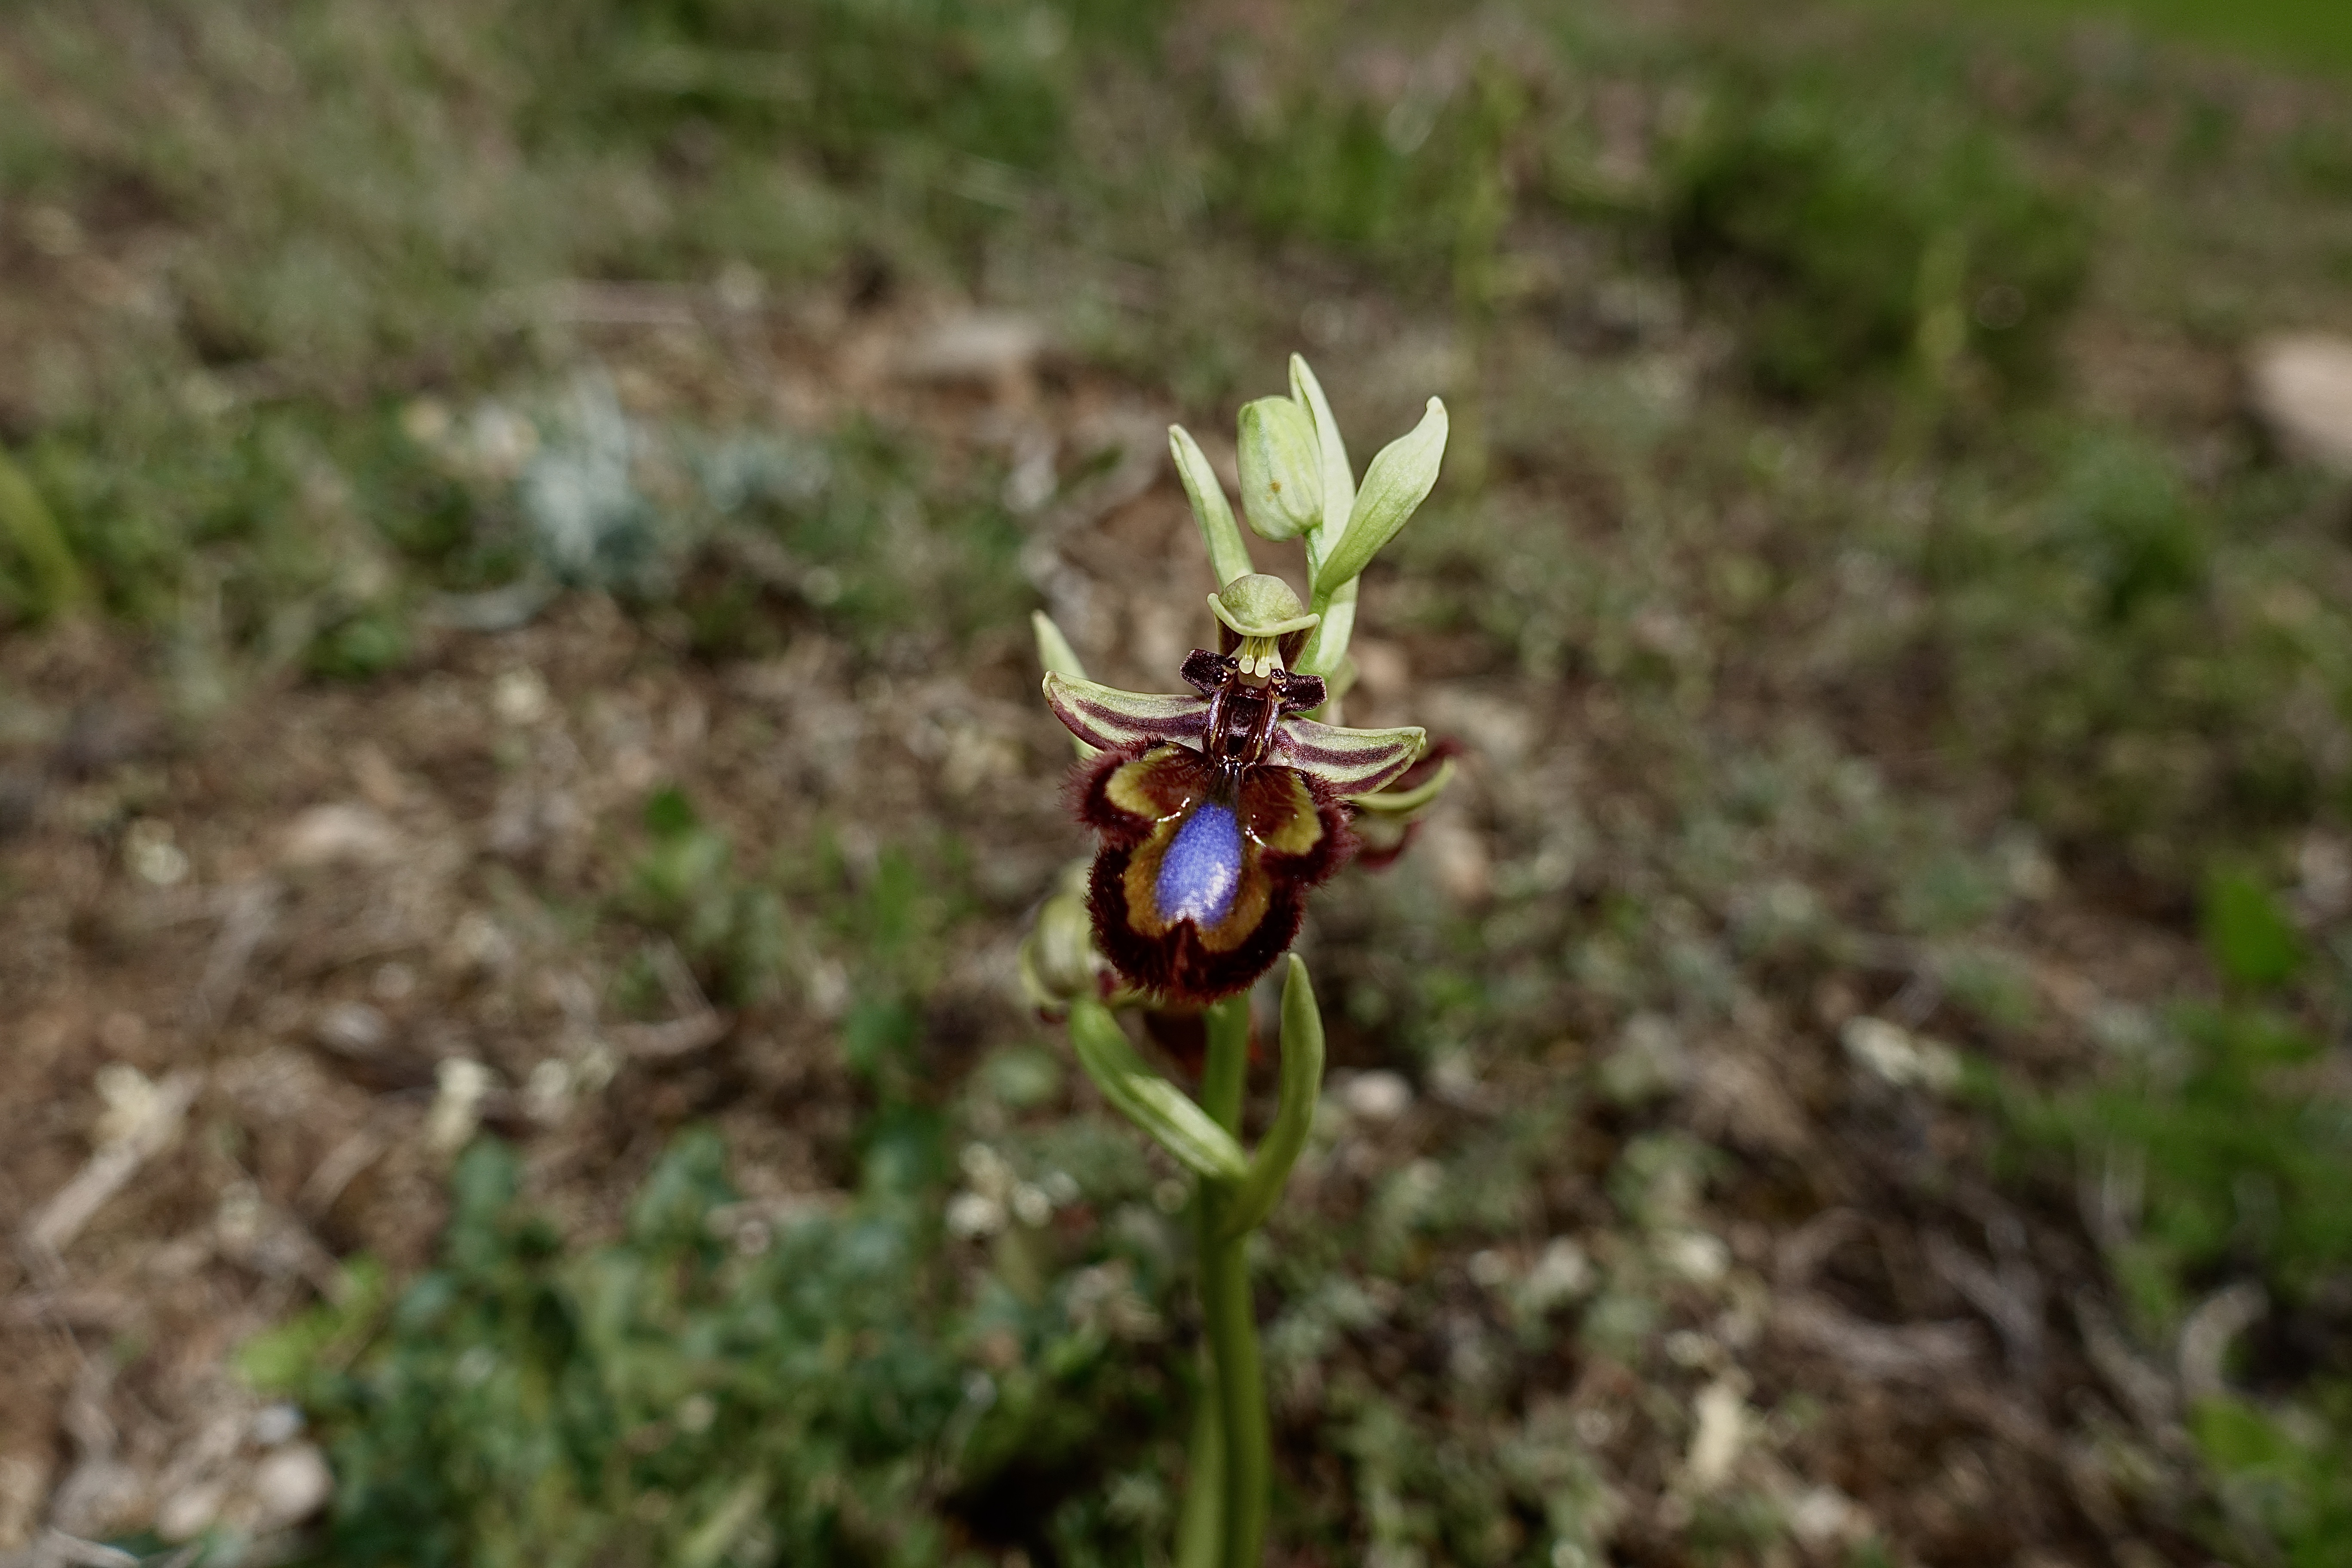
[[1217, 813], [1201, 868], [1201, 880]]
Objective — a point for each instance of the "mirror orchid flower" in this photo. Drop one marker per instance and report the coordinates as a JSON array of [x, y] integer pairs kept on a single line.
[[1219, 809]]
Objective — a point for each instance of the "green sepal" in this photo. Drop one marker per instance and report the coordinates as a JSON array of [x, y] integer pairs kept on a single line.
[[1149, 1100], [1228, 552], [1293, 1118], [1053, 649], [1405, 802], [1282, 468], [1399, 481]]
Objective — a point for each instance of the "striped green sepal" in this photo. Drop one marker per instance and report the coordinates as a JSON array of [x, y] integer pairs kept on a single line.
[[1351, 761], [1113, 720]]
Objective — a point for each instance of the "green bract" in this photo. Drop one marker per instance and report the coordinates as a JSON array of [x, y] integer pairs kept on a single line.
[[1405, 802], [1282, 468], [1338, 479], [1058, 960], [1302, 1082], [1149, 1100], [1398, 481]]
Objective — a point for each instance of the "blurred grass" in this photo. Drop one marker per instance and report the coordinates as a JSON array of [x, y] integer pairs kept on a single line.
[[2305, 33]]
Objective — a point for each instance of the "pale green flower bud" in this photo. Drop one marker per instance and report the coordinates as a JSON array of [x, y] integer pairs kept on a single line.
[[1282, 468], [1058, 960]]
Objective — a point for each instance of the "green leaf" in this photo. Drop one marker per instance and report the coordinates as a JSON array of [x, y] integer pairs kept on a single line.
[[1149, 1100], [1228, 552], [1302, 1082], [1399, 481], [2250, 939], [1282, 468]]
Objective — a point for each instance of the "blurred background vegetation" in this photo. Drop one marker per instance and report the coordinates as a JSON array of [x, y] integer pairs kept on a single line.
[[1906, 692]]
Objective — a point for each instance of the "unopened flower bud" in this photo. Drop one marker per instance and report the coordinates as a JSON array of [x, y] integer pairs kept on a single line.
[[1058, 960], [1282, 468]]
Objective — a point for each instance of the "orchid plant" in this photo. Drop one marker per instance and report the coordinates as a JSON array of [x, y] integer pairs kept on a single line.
[[1218, 810]]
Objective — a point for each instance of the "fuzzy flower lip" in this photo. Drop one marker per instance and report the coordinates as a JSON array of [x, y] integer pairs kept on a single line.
[[1347, 762]]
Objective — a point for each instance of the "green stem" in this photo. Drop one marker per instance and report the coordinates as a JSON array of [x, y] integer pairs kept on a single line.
[[1225, 1305], [1227, 1072], [1201, 1528]]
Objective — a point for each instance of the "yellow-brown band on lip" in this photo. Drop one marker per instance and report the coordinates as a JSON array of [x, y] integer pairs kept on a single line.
[[1293, 835]]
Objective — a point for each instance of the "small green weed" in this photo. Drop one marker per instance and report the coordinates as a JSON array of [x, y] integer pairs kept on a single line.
[[2286, 1475], [684, 885], [2232, 1169], [713, 1387]]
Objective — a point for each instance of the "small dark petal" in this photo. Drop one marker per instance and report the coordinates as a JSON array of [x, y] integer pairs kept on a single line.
[[1204, 671]]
